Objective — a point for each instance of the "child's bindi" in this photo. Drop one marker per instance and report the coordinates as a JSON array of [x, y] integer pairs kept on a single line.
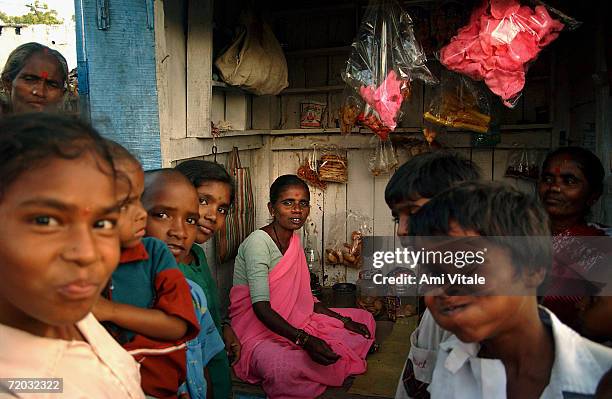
[[87, 211], [557, 170], [44, 75]]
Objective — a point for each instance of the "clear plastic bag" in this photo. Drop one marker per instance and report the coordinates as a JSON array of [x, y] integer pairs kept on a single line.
[[458, 102], [384, 59], [499, 41], [523, 164], [382, 159], [343, 250]]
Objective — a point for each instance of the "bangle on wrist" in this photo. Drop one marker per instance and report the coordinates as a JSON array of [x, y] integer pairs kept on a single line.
[[301, 338]]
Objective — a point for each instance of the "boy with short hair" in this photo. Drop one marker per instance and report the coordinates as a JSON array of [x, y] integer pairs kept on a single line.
[[216, 191], [171, 202], [492, 352], [147, 305], [412, 186], [423, 177]]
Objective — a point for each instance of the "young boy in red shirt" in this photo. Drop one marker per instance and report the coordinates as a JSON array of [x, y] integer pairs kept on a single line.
[[148, 303]]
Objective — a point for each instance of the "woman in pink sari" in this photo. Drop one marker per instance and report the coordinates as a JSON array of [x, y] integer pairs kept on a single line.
[[291, 344]]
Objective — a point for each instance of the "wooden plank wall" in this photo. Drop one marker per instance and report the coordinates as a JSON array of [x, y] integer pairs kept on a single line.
[[364, 193], [183, 52]]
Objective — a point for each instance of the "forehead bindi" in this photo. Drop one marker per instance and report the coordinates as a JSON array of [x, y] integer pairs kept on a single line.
[[43, 66], [294, 193], [565, 167]]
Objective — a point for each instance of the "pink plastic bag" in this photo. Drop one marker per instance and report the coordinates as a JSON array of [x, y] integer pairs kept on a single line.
[[499, 41], [384, 59]]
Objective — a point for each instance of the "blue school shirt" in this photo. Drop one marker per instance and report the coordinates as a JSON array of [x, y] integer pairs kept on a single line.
[[202, 348]]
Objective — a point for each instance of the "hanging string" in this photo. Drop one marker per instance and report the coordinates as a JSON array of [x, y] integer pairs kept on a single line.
[[215, 133]]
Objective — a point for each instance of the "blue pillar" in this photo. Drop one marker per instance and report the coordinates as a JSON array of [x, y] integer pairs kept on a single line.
[[116, 64]]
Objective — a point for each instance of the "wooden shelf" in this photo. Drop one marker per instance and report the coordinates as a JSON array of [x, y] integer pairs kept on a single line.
[[299, 90], [248, 132], [306, 90], [225, 86], [318, 51], [217, 83], [365, 131], [282, 132], [334, 130]]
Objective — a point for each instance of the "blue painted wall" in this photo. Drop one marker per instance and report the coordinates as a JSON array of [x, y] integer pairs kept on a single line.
[[117, 75]]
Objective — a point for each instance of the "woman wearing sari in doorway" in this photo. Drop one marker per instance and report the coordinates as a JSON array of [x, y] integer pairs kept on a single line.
[[291, 344]]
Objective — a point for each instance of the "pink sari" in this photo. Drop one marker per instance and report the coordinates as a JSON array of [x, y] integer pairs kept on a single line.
[[284, 369]]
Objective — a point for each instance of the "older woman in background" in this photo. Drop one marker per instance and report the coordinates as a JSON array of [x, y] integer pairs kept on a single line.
[[570, 184], [34, 79]]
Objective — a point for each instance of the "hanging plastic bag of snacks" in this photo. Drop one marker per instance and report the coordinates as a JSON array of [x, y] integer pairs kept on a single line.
[[308, 171], [348, 113], [385, 58], [459, 103], [333, 165], [523, 164], [500, 40], [345, 239], [382, 159]]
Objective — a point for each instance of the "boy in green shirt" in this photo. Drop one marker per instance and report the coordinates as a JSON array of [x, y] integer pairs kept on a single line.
[[215, 190]]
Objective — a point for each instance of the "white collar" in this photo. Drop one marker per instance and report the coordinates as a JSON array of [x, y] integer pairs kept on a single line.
[[575, 368]]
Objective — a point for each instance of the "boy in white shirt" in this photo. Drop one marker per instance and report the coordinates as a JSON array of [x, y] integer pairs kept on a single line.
[[503, 346], [412, 186]]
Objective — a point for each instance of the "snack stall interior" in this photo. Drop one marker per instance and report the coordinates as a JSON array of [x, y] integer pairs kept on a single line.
[[565, 101], [310, 118]]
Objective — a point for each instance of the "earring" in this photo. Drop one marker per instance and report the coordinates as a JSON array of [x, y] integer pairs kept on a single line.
[[34, 92]]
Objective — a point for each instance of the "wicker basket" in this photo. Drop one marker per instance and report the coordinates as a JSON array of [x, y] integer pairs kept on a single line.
[[333, 168]]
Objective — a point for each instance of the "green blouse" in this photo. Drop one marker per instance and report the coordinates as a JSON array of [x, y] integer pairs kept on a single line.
[[257, 256]]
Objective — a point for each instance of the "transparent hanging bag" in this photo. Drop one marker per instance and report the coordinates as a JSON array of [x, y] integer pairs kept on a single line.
[[385, 59], [459, 103], [501, 40], [383, 159], [345, 239]]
